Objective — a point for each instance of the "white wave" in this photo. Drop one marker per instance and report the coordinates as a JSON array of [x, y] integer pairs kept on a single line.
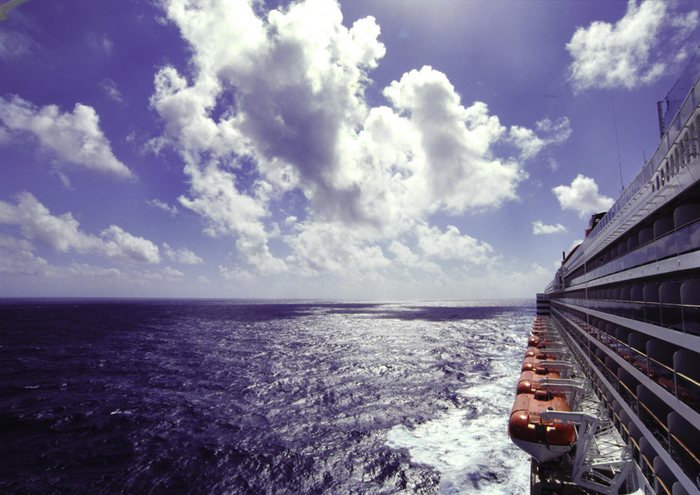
[[471, 451]]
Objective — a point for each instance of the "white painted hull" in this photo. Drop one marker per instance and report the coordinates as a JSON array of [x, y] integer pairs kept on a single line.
[[540, 451]]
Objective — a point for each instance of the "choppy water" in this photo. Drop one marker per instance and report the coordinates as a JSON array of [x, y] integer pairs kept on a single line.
[[232, 397]]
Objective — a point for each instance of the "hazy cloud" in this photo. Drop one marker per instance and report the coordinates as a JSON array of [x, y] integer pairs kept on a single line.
[[15, 45], [111, 90], [183, 256], [74, 137], [163, 206]]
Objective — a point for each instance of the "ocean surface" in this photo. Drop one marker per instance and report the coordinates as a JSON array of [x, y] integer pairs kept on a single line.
[[228, 397]]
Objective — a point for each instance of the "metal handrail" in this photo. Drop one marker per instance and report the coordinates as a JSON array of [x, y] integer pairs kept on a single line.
[[686, 448], [663, 485]]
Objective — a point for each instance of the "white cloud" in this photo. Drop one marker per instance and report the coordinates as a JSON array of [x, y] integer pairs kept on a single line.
[[183, 256], [17, 257], [451, 245], [404, 257], [633, 51], [234, 274], [100, 44], [456, 167], [331, 247], [166, 274], [63, 232], [549, 133], [84, 270], [582, 196], [540, 228], [229, 212], [74, 137]]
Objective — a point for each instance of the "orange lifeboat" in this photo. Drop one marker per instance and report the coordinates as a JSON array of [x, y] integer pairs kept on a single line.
[[539, 360], [534, 340], [543, 440], [541, 354], [529, 380]]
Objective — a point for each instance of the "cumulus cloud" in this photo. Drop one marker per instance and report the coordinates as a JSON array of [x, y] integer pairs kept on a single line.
[[275, 105], [63, 234], [183, 256], [582, 196], [73, 137], [540, 228], [634, 50]]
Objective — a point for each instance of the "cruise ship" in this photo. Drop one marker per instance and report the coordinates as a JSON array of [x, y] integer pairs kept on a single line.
[[609, 396]]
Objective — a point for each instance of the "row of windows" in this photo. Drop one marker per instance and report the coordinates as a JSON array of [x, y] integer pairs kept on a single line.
[[680, 438], [674, 231], [684, 150]]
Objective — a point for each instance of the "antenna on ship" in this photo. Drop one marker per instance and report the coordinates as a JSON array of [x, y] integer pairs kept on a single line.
[[617, 141]]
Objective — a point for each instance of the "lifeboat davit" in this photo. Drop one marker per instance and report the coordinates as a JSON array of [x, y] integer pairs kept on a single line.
[[529, 381], [543, 440]]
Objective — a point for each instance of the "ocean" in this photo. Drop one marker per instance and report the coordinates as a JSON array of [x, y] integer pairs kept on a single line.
[[259, 397]]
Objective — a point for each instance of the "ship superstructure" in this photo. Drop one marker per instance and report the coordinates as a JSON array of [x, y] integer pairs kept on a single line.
[[625, 309]]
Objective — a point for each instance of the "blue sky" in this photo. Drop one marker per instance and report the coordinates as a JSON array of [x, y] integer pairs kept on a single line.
[[363, 149]]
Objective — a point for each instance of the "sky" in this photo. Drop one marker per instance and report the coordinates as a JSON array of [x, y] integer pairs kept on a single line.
[[373, 150]]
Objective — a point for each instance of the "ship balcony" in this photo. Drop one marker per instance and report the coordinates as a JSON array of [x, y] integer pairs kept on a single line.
[[670, 366], [675, 369]]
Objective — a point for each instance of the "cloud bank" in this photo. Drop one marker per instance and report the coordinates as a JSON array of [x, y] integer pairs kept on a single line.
[[272, 122], [62, 233]]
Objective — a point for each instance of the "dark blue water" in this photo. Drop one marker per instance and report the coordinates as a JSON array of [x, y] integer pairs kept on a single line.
[[232, 397]]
